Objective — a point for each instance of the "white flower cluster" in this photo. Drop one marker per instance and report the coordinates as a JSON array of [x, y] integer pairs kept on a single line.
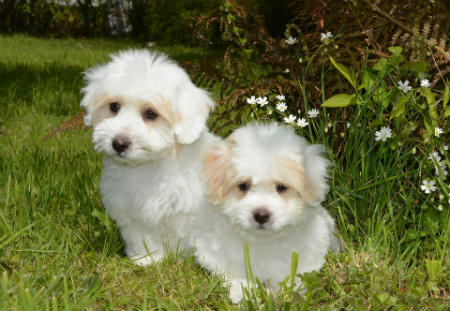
[[262, 101], [281, 105], [325, 37], [313, 113], [440, 169], [405, 87], [439, 166]]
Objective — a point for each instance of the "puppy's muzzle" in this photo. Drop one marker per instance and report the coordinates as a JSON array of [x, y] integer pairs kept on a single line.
[[261, 215], [121, 144]]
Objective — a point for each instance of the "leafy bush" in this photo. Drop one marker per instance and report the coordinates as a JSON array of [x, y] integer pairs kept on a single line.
[[44, 17]]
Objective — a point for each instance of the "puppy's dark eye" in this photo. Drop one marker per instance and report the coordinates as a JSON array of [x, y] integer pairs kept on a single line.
[[114, 107], [150, 114], [281, 188], [244, 187]]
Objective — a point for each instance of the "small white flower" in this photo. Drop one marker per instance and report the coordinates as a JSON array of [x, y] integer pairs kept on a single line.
[[440, 208], [302, 122], [404, 86], [290, 119], [428, 186], [252, 100], [437, 132], [262, 101], [383, 134], [440, 169], [281, 98], [281, 106], [425, 83], [313, 113], [445, 147], [291, 40], [348, 124], [434, 156], [326, 36]]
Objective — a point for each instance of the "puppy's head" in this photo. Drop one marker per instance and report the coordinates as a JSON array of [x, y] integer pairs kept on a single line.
[[262, 176], [141, 104]]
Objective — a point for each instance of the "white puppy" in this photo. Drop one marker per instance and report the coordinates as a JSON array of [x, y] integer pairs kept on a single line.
[[266, 185], [148, 120]]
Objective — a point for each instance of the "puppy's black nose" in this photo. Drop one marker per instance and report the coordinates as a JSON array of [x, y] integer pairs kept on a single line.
[[120, 143], [261, 215]]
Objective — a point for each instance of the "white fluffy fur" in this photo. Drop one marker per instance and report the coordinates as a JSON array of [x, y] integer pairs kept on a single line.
[[150, 187], [264, 156]]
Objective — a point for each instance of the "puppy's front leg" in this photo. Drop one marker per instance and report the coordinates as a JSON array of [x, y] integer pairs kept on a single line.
[[236, 286], [143, 246]]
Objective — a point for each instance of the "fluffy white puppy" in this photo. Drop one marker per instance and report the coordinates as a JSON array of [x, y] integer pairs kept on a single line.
[[148, 120], [265, 184]]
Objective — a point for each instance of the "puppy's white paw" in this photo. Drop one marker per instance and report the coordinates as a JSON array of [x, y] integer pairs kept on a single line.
[[147, 259], [236, 293]]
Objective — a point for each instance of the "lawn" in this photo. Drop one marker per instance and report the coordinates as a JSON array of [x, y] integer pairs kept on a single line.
[[58, 249]]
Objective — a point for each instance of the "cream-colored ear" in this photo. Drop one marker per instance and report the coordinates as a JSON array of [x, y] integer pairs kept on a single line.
[[293, 175], [91, 91], [307, 174], [192, 109], [217, 171], [316, 171]]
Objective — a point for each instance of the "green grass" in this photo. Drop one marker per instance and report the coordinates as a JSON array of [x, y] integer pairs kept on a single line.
[[59, 251]]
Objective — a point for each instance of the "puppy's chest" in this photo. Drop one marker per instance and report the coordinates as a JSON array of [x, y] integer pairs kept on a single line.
[[149, 193]]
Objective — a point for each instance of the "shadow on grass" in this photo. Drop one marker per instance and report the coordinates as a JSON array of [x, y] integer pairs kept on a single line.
[[51, 88]]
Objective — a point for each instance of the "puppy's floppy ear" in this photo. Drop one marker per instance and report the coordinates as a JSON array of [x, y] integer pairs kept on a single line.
[[307, 174], [315, 170], [217, 171], [192, 109], [93, 78]]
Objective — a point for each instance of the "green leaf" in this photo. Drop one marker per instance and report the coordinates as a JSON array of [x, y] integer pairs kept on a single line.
[[446, 112], [380, 65], [429, 96], [344, 71], [398, 111], [433, 267], [396, 59], [415, 66], [369, 78], [431, 101], [340, 100], [376, 123], [446, 95], [396, 50]]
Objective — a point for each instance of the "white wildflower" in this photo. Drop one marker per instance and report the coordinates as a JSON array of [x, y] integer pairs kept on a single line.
[[291, 40], [326, 36], [404, 86], [281, 106], [434, 156], [262, 101], [383, 134], [252, 100], [281, 98], [313, 113], [290, 119], [428, 186], [425, 83], [437, 132], [440, 208], [445, 147], [302, 122]]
